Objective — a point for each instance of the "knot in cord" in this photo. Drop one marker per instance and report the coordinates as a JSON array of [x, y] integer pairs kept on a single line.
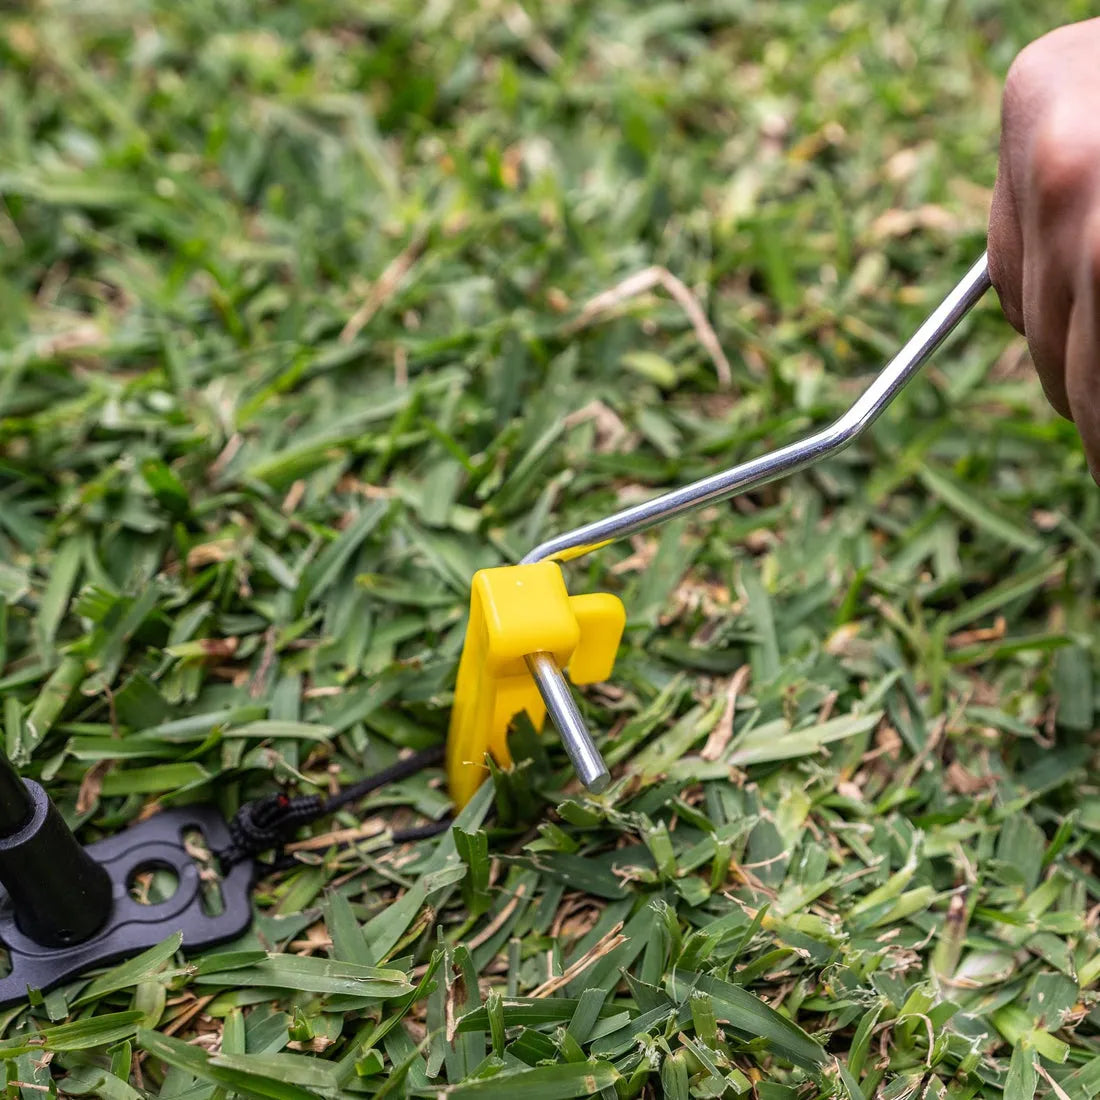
[[268, 823]]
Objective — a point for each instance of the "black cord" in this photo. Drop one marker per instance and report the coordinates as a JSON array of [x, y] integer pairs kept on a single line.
[[398, 836], [270, 822], [403, 769]]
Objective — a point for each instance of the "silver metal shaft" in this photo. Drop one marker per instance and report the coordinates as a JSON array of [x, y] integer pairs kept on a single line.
[[563, 711], [795, 456], [748, 475]]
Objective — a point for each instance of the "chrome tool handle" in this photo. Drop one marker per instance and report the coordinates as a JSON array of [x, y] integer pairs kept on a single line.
[[795, 456], [748, 475]]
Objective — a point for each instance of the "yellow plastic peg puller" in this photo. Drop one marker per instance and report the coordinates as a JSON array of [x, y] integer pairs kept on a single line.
[[524, 628]]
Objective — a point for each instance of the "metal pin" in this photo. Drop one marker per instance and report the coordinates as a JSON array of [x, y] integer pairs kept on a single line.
[[563, 711], [890, 381]]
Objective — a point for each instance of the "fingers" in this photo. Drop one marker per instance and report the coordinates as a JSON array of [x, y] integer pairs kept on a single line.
[[1006, 246], [1062, 192], [1047, 194], [1047, 291], [1083, 350]]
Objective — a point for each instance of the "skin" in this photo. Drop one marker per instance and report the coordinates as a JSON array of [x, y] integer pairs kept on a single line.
[[1044, 228]]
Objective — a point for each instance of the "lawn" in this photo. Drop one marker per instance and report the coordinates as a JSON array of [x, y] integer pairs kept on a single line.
[[302, 324]]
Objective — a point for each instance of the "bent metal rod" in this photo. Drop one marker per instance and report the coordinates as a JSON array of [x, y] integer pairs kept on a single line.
[[556, 693]]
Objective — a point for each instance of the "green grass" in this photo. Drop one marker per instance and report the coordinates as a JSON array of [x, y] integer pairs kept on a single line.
[[289, 304]]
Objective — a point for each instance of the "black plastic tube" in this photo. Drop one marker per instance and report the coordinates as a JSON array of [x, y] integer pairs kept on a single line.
[[15, 802], [60, 895]]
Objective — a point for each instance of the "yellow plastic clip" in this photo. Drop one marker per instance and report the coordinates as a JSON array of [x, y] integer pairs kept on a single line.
[[516, 610]]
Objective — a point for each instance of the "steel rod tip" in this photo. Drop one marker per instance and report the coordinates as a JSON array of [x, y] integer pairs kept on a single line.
[[599, 783], [564, 713]]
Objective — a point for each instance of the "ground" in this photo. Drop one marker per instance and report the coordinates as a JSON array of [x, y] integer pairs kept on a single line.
[[310, 310]]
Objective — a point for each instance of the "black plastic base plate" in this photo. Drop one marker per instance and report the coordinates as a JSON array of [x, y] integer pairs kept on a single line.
[[156, 843]]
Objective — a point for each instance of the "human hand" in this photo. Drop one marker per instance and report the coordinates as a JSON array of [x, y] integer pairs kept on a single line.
[[1044, 227]]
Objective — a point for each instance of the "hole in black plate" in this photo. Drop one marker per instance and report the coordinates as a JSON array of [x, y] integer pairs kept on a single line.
[[152, 883], [210, 893]]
